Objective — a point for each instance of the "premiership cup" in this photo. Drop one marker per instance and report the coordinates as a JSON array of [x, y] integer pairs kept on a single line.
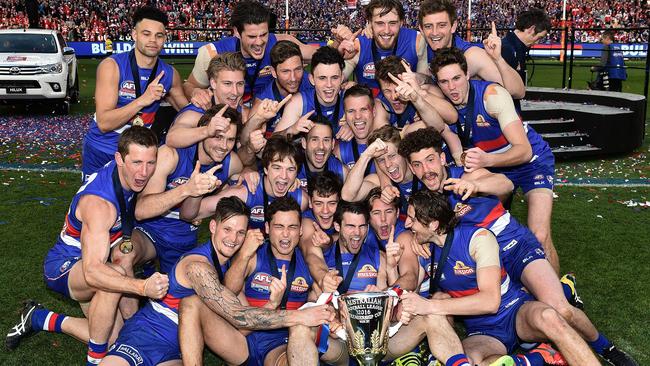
[[366, 318]]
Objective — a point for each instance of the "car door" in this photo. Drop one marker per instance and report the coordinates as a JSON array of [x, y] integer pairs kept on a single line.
[[70, 60]]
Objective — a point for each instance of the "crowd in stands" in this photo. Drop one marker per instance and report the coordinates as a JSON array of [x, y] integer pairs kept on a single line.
[[87, 20]]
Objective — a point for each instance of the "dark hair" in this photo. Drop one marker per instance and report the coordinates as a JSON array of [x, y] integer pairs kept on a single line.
[[279, 147], [282, 51], [249, 12], [448, 56], [228, 207], [151, 13], [137, 135], [359, 90], [391, 64], [325, 183], [533, 17], [386, 7], [232, 113], [326, 56], [359, 208], [319, 119], [428, 7], [375, 194], [387, 133], [283, 204], [430, 206], [418, 140]]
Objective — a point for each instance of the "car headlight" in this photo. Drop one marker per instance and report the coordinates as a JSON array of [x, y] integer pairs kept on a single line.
[[52, 68]]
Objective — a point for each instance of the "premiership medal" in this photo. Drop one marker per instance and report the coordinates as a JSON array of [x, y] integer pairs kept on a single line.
[[137, 121], [126, 246], [462, 157]]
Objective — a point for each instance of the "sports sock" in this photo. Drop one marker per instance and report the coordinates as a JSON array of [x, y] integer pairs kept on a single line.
[[529, 359], [96, 353], [600, 344], [458, 360], [49, 321], [567, 292]]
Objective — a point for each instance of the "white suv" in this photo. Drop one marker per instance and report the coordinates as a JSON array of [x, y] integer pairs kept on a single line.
[[36, 64]]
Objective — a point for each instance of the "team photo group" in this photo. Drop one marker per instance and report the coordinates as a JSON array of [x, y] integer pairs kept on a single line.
[[378, 168]]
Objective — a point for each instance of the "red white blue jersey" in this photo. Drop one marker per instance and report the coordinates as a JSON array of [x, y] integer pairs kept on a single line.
[[257, 284], [459, 275], [399, 120], [350, 152], [486, 132], [272, 92], [258, 72], [456, 42], [367, 268], [167, 307], [169, 227], [107, 142], [98, 184], [259, 200], [405, 48], [309, 101], [333, 164], [406, 189]]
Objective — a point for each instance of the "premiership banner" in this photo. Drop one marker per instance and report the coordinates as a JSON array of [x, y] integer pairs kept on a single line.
[[180, 49]]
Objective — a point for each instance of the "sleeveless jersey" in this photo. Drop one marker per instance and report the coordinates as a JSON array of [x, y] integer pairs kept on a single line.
[[257, 284], [406, 189], [107, 141], [459, 275], [98, 184], [366, 270], [350, 152], [272, 92], [309, 101], [485, 130], [169, 226], [258, 72], [167, 307], [370, 54], [259, 200], [333, 165]]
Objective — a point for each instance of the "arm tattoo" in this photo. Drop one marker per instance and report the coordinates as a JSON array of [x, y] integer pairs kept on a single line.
[[225, 303]]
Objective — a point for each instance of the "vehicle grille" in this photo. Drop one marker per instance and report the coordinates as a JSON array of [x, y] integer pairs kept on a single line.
[[22, 70], [29, 84]]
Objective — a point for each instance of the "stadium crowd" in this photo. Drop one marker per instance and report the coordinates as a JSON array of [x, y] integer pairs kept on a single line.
[[312, 185], [85, 20]]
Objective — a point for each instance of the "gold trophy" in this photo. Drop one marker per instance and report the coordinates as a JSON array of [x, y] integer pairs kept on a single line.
[[366, 318]]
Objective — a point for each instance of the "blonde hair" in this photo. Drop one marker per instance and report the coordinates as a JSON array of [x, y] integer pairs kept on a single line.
[[231, 61]]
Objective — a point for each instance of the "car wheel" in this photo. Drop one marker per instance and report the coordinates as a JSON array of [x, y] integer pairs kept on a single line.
[[73, 92], [62, 107]]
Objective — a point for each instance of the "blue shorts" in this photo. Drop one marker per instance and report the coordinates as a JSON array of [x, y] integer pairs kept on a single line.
[[147, 339], [502, 326], [92, 159], [260, 343], [526, 250], [56, 269], [168, 254], [540, 173]]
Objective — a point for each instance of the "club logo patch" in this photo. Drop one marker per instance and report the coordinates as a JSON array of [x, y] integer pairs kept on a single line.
[[460, 269], [462, 209], [367, 271], [481, 122], [299, 285]]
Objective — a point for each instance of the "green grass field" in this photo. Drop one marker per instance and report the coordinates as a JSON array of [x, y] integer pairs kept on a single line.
[[598, 237]]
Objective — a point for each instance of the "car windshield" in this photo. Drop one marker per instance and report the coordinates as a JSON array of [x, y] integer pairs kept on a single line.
[[27, 43]]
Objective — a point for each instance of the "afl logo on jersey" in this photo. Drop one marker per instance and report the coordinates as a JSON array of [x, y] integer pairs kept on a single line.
[[299, 285], [369, 70], [367, 271], [460, 269], [65, 266], [177, 182], [127, 89], [462, 209], [261, 281], [257, 213], [265, 71]]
